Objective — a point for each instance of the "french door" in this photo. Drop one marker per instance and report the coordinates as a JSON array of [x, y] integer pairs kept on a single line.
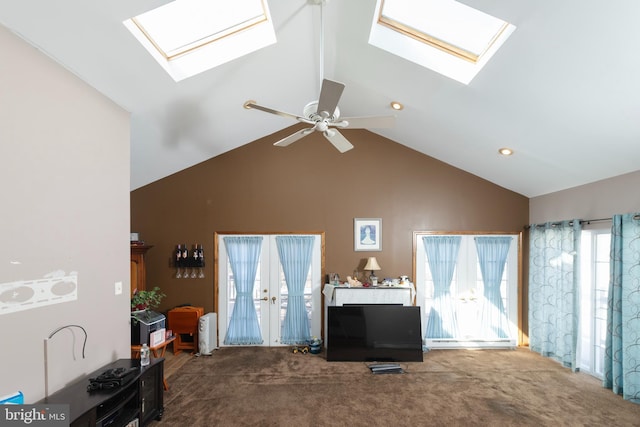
[[270, 294], [466, 293]]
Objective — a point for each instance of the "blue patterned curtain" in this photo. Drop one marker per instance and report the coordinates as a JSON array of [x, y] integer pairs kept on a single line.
[[492, 255], [295, 256], [622, 351], [244, 255], [442, 255], [554, 290]]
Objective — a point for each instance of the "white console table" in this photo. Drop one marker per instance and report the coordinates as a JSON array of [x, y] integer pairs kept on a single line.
[[341, 295]]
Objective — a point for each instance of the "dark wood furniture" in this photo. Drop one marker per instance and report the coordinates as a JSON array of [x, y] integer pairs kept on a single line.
[[138, 268], [141, 398]]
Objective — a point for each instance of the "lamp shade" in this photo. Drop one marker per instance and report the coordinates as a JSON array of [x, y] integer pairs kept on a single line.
[[372, 264]]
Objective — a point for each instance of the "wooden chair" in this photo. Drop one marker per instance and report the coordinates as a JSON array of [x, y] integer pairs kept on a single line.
[[183, 321]]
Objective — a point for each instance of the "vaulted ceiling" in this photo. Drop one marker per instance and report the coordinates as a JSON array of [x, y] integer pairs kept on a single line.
[[563, 91]]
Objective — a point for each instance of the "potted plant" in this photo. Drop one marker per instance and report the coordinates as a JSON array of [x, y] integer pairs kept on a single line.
[[146, 300]]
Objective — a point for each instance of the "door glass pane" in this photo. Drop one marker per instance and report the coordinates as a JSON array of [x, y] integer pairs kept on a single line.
[[595, 250]]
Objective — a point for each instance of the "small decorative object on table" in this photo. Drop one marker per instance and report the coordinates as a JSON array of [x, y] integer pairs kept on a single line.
[[352, 283]]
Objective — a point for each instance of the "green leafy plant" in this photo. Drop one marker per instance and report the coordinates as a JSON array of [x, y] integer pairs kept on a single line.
[[146, 300]]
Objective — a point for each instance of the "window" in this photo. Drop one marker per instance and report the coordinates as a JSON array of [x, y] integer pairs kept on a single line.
[[444, 35], [188, 37], [467, 292], [594, 290]]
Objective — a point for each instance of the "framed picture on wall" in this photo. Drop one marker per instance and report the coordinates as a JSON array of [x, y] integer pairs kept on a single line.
[[367, 234]]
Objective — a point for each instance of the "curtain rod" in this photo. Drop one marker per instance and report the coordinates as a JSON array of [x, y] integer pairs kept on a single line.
[[583, 221], [589, 221]]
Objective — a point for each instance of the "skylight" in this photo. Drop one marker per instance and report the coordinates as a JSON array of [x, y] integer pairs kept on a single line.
[[443, 35], [187, 37]]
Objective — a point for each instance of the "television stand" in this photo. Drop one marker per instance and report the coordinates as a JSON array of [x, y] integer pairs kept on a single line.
[[140, 399]]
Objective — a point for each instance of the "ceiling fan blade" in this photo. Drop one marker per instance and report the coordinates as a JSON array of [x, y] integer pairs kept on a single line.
[[329, 97], [338, 140], [293, 138], [375, 122], [252, 105]]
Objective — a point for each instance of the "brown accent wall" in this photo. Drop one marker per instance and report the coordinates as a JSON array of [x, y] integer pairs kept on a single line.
[[310, 186]]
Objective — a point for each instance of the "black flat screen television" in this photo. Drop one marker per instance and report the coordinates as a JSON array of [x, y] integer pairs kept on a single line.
[[376, 332]]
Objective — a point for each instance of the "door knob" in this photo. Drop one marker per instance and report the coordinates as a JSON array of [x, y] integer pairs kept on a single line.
[[265, 299], [273, 300]]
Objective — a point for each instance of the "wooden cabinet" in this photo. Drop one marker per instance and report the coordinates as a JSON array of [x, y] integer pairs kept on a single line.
[[138, 268], [140, 399]]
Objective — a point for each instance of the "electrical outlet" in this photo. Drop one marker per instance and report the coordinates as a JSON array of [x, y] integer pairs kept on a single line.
[[118, 288]]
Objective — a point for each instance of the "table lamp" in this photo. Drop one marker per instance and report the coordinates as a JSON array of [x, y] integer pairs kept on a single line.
[[372, 265]]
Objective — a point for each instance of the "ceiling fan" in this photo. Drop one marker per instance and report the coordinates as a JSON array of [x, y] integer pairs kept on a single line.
[[323, 115]]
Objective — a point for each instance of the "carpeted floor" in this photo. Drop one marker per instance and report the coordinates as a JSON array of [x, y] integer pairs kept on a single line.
[[257, 386]]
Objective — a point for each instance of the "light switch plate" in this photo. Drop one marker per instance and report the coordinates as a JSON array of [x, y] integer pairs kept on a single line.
[[118, 288]]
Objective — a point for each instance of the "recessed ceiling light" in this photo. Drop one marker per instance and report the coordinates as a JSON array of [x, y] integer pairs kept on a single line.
[[396, 105], [505, 151]]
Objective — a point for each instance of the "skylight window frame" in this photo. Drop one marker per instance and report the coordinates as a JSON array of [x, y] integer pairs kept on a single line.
[[432, 52], [212, 38], [221, 45], [436, 42]]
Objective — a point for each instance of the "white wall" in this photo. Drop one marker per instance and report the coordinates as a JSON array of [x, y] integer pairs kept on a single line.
[[64, 166], [602, 199]]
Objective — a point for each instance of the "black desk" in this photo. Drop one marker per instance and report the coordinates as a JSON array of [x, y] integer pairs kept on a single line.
[[141, 398]]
